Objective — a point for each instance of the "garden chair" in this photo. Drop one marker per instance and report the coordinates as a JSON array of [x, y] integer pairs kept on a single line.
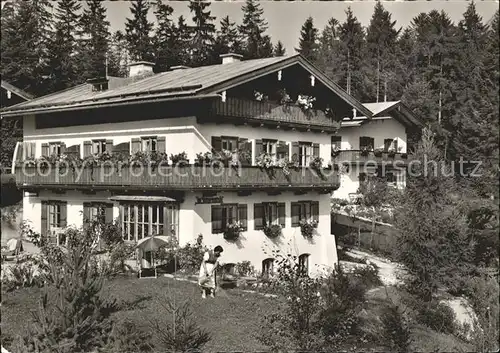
[[14, 247]]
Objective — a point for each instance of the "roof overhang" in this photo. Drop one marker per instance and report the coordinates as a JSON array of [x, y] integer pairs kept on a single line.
[[17, 91], [396, 110], [142, 198]]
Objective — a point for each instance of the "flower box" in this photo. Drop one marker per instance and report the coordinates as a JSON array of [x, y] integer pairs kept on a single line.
[[272, 231], [307, 228]]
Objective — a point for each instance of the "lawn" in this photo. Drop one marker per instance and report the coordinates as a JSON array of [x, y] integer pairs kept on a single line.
[[232, 318]]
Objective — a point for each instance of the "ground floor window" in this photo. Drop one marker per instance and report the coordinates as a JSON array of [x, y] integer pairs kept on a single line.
[[304, 264], [53, 216], [224, 215], [269, 213], [141, 220], [102, 212], [267, 267], [304, 211]]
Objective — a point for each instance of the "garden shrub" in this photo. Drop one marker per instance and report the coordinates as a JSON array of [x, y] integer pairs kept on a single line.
[[396, 329], [245, 269], [437, 316], [369, 275], [126, 336], [21, 275]]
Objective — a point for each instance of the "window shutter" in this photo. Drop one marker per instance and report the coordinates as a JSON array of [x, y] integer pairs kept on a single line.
[[295, 151], [86, 213], [45, 149], [122, 210], [108, 213], [259, 149], [281, 214], [315, 210], [282, 150], [242, 216], [19, 152], [109, 146], [136, 145], [64, 214], [316, 149], [162, 144], [166, 221], [45, 211], [63, 148], [387, 144], [295, 214], [258, 216], [216, 219], [371, 142], [216, 144], [32, 150], [395, 142], [245, 151], [87, 148]]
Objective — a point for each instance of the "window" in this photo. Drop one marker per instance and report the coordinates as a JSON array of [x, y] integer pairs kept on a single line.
[[268, 213], [269, 146], [143, 220], [366, 142], [98, 146], [229, 143], [305, 153], [223, 215], [55, 148], [149, 144], [267, 267], [336, 142], [304, 264], [390, 145], [304, 211], [53, 216]]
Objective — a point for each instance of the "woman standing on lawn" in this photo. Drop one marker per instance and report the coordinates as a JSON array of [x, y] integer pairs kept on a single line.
[[209, 265]]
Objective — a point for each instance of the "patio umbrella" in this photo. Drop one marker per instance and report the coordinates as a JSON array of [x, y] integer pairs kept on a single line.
[[153, 243]]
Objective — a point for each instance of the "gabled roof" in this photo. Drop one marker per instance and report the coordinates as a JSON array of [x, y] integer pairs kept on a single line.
[[17, 91], [386, 110], [199, 82]]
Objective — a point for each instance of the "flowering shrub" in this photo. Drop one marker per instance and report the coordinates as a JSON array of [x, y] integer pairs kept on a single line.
[[305, 102], [307, 227], [272, 231], [265, 161], [158, 158], [139, 158], [233, 231], [203, 159], [179, 159], [316, 163], [245, 268]]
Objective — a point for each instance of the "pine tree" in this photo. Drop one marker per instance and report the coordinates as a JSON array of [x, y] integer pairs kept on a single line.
[[203, 33], [381, 37], [163, 36], [94, 42], [118, 55], [252, 30], [329, 50], [351, 50], [63, 47], [138, 32], [26, 30], [308, 42], [179, 41], [279, 49], [228, 39]]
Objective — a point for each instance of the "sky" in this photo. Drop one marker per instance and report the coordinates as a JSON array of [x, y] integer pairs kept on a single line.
[[286, 18]]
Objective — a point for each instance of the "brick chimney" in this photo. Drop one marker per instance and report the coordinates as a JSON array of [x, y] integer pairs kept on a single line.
[[139, 68], [230, 58]]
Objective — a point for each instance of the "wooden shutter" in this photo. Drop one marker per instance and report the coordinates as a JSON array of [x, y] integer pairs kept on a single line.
[[63, 148], [19, 152], [316, 149], [161, 146], [282, 150], [281, 214], [64, 214], [216, 144], [387, 144], [31, 146], [87, 148], [259, 149], [395, 142], [166, 220], [295, 151], [315, 210], [109, 146], [120, 216], [243, 216], [45, 149], [216, 219], [136, 145], [45, 211], [108, 213], [258, 216], [295, 214], [86, 213], [245, 151]]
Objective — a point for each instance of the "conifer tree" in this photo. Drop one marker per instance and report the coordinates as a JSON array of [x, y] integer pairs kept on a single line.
[[256, 44], [138, 32], [94, 42], [308, 42], [279, 49], [228, 39], [329, 50], [118, 55], [179, 41], [163, 36], [203, 33], [63, 47], [381, 37]]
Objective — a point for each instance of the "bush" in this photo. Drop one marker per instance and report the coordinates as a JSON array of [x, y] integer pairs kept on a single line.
[[437, 316], [396, 329], [119, 254], [368, 275], [245, 269], [127, 337], [21, 275], [272, 231], [189, 257]]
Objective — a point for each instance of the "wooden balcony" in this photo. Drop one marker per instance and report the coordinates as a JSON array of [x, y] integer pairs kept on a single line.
[[177, 178], [357, 156], [270, 113]]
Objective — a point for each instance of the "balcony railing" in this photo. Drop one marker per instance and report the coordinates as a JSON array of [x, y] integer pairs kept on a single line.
[[270, 112], [358, 156], [177, 178]]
